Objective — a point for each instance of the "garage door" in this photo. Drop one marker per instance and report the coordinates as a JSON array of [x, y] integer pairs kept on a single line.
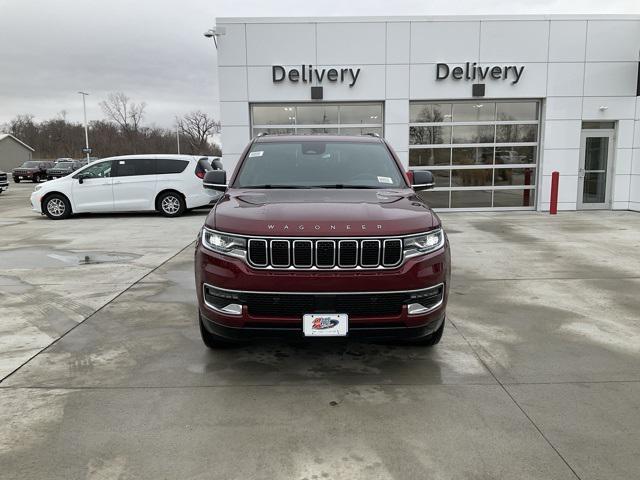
[[328, 118], [483, 154]]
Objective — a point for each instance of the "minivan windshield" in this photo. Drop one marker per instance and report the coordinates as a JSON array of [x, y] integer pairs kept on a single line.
[[319, 164]]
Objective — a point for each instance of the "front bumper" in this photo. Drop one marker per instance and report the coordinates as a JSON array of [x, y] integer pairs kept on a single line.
[[24, 175], [235, 276], [36, 202]]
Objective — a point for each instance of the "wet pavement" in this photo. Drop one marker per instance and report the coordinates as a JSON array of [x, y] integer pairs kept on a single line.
[[537, 376]]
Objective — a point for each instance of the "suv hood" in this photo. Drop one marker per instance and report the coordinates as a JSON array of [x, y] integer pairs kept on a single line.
[[321, 212]]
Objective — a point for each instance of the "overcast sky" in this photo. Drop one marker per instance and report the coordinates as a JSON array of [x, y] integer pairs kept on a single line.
[[154, 51]]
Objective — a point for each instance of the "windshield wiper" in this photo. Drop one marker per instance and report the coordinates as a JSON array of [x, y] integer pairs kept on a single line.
[[266, 186], [342, 185]]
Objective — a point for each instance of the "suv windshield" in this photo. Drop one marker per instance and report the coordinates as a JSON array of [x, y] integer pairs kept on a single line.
[[64, 164], [319, 164], [30, 164]]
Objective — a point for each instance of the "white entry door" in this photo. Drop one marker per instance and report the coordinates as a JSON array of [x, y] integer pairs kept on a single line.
[[594, 176]]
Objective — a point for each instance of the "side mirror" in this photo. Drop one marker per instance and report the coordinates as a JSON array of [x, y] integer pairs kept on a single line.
[[216, 180], [81, 177], [422, 180]]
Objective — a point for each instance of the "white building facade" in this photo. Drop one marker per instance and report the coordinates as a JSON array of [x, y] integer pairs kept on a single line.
[[491, 105]]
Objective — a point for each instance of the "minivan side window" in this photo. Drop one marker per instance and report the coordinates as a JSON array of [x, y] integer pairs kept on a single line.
[[99, 170], [131, 167], [169, 165]]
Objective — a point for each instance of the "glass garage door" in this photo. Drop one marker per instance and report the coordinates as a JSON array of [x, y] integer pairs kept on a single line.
[[329, 118], [483, 154]]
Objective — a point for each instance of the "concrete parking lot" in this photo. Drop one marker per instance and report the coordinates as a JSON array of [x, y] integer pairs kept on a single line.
[[104, 374]]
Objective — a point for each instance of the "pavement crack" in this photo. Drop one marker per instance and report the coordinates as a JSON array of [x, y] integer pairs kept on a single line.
[[189, 245], [502, 386]]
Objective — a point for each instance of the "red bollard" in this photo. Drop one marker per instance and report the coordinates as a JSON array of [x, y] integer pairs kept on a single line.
[[555, 179]]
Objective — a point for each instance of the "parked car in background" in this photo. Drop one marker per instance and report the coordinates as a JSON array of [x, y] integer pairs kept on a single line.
[[63, 159], [169, 184], [34, 170], [319, 236], [216, 163], [61, 169], [4, 182]]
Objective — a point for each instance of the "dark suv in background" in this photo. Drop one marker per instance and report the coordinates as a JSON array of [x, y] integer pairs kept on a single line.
[[63, 168], [321, 236], [34, 170]]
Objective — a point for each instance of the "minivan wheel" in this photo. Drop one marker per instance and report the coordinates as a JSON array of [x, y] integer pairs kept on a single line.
[[213, 341], [56, 207], [171, 204]]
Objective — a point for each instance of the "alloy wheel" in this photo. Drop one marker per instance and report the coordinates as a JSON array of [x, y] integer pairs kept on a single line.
[[56, 207], [170, 205]]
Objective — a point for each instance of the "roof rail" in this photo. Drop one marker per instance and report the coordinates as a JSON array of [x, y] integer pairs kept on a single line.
[[371, 134]]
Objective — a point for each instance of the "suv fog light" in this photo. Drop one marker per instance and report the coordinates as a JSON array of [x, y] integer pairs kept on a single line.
[[417, 308], [232, 309]]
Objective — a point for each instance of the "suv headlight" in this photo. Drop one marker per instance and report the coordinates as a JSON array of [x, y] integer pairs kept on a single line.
[[425, 243], [223, 243]]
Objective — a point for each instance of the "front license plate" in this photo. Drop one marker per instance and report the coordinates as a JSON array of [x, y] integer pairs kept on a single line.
[[325, 324]]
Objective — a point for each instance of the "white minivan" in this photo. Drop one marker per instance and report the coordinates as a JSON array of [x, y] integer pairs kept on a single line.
[[169, 184]]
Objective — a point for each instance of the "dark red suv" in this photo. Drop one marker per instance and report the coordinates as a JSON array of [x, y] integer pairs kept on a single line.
[[321, 236]]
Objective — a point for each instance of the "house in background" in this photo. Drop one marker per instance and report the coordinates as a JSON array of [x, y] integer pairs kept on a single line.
[[13, 152]]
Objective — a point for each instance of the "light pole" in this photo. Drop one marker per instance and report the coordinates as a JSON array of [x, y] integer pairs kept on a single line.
[[178, 133], [86, 130]]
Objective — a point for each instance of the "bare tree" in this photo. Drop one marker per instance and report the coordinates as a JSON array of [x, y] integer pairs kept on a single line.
[[127, 114], [197, 127]]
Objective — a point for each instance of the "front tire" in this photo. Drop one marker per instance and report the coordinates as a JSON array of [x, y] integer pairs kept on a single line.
[[16, 180], [171, 204], [36, 178], [213, 341], [56, 207]]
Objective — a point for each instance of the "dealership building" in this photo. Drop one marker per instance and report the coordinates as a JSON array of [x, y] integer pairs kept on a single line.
[[491, 105]]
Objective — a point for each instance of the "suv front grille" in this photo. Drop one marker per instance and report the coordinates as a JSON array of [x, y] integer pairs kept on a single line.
[[324, 253]]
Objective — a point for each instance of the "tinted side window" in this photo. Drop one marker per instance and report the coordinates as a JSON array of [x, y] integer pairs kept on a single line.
[[167, 165], [131, 167]]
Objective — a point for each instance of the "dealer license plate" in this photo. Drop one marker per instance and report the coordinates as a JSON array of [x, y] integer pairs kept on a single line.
[[325, 324]]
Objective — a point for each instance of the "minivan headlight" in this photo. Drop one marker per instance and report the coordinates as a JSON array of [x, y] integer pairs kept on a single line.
[[38, 187], [425, 243], [223, 243]]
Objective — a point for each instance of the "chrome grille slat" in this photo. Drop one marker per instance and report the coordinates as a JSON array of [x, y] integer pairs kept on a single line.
[[369, 249], [345, 248], [257, 250], [391, 252], [279, 253], [302, 253], [325, 253]]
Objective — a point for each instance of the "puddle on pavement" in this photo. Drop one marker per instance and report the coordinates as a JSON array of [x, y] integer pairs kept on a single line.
[[50, 258]]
